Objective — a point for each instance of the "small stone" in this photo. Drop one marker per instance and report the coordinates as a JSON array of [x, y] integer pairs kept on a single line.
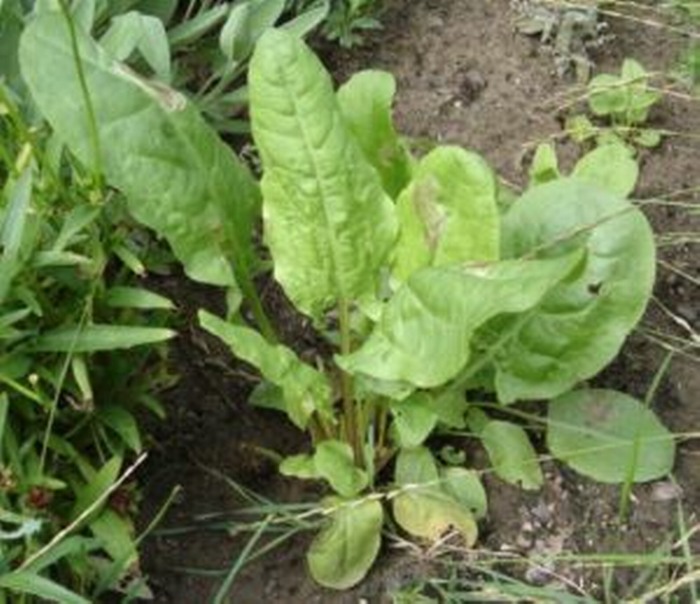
[[666, 491]]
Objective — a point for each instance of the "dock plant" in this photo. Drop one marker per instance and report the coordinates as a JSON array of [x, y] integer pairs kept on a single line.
[[440, 302]]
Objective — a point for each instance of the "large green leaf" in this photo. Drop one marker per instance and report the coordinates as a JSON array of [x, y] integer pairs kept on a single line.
[[609, 436], [424, 333], [580, 326], [179, 178], [305, 390], [366, 102], [345, 549], [328, 222], [448, 213]]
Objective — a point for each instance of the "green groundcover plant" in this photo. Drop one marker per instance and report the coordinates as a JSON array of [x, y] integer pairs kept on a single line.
[[438, 290], [623, 100]]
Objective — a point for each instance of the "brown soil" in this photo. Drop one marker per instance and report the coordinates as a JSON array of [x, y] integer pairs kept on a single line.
[[464, 76]]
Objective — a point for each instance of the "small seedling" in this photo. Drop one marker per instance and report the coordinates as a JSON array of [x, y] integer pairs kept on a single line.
[[624, 101]]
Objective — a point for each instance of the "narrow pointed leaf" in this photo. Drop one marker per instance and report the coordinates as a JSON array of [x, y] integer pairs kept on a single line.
[[328, 222], [28, 583], [305, 390], [94, 338]]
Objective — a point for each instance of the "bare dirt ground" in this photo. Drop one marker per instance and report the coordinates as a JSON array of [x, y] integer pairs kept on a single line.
[[464, 76]]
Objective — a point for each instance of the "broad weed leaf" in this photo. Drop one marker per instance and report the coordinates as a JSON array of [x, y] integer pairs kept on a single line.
[[609, 436], [579, 326], [343, 552]]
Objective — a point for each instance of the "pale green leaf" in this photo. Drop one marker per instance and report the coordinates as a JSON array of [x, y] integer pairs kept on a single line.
[[545, 165], [305, 390], [429, 513], [416, 466], [343, 552], [512, 456], [178, 177], [465, 487], [609, 436], [307, 21], [328, 223], [299, 466], [334, 461], [581, 324], [611, 167], [135, 31], [414, 419], [366, 104], [448, 214], [424, 333]]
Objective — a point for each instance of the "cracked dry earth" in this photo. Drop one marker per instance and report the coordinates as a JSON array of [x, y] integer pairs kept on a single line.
[[464, 76]]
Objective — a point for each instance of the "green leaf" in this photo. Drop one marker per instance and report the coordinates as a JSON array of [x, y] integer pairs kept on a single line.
[[647, 137], [192, 30], [136, 297], [123, 423], [343, 552], [305, 390], [178, 177], [117, 537], [414, 419], [307, 21], [299, 466], [134, 31], [429, 513], [334, 461], [611, 167], [512, 456], [245, 24], [424, 333], [366, 104], [448, 213], [545, 165], [28, 583], [609, 436], [581, 324], [93, 338], [97, 486], [465, 487], [328, 223], [580, 128], [416, 466]]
